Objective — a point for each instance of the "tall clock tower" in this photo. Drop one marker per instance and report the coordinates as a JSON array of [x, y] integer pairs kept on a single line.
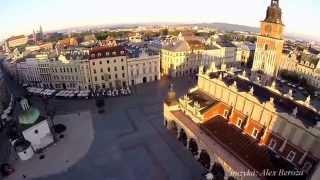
[[269, 45]]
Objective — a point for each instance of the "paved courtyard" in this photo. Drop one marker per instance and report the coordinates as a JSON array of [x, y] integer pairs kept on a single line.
[[130, 142]]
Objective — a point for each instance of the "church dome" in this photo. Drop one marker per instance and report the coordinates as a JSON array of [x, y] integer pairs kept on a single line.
[[30, 116]]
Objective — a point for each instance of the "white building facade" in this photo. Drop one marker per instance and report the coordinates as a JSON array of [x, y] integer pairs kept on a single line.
[[143, 69]]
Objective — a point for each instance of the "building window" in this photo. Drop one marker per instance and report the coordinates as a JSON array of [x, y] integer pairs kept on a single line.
[[108, 69], [95, 78], [36, 131], [108, 62], [307, 166], [291, 156], [102, 77], [115, 69], [122, 67], [100, 62], [109, 76], [123, 75], [272, 144], [101, 70], [121, 59], [116, 76], [255, 133], [94, 71], [225, 113], [239, 123], [93, 63], [114, 60]]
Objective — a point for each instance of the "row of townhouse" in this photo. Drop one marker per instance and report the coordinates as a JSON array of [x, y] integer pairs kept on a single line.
[[98, 68]]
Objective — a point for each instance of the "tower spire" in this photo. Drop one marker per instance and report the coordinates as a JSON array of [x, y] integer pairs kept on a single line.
[[274, 13], [274, 2]]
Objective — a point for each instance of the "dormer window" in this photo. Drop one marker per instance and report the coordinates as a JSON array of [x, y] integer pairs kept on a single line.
[[122, 52], [225, 113], [114, 53], [272, 144], [99, 54], [307, 166], [107, 53], [93, 55], [255, 133], [239, 123], [291, 156]]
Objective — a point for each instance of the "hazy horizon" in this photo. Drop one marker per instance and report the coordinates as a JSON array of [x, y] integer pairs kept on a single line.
[[21, 17]]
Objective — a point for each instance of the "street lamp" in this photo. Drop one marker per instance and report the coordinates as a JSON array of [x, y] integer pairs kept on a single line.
[[50, 115]]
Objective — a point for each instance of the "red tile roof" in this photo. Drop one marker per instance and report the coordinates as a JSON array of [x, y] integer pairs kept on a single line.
[[245, 148], [102, 51], [16, 37]]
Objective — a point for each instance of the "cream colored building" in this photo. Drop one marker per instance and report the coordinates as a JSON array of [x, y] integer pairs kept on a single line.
[[181, 58], [135, 38], [16, 41], [108, 67], [60, 73], [144, 68], [28, 72], [229, 122], [244, 52], [306, 66], [270, 42], [70, 74]]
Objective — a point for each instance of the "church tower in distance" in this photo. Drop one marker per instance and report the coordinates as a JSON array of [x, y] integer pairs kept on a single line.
[[269, 45]]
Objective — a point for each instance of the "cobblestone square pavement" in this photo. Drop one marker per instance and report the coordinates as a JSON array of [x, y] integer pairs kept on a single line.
[[130, 141]]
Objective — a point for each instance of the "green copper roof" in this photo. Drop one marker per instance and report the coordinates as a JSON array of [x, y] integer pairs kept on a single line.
[[30, 116]]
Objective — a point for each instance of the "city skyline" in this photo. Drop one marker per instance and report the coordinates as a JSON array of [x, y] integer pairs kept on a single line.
[[298, 16]]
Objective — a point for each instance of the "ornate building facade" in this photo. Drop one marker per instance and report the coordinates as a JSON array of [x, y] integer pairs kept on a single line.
[[270, 42], [232, 125]]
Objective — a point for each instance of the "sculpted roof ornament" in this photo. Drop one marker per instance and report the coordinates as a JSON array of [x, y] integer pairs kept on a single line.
[[251, 91], [244, 73], [273, 85], [271, 101], [290, 93], [308, 101], [201, 70], [234, 85], [295, 112]]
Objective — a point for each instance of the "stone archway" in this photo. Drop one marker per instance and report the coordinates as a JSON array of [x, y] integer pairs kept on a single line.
[[183, 137], [193, 147], [173, 127], [218, 171], [204, 159]]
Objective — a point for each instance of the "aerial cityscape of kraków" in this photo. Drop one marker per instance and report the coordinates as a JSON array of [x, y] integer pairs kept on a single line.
[[144, 90]]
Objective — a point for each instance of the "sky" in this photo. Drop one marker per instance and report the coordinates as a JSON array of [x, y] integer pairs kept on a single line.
[[22, 16]]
